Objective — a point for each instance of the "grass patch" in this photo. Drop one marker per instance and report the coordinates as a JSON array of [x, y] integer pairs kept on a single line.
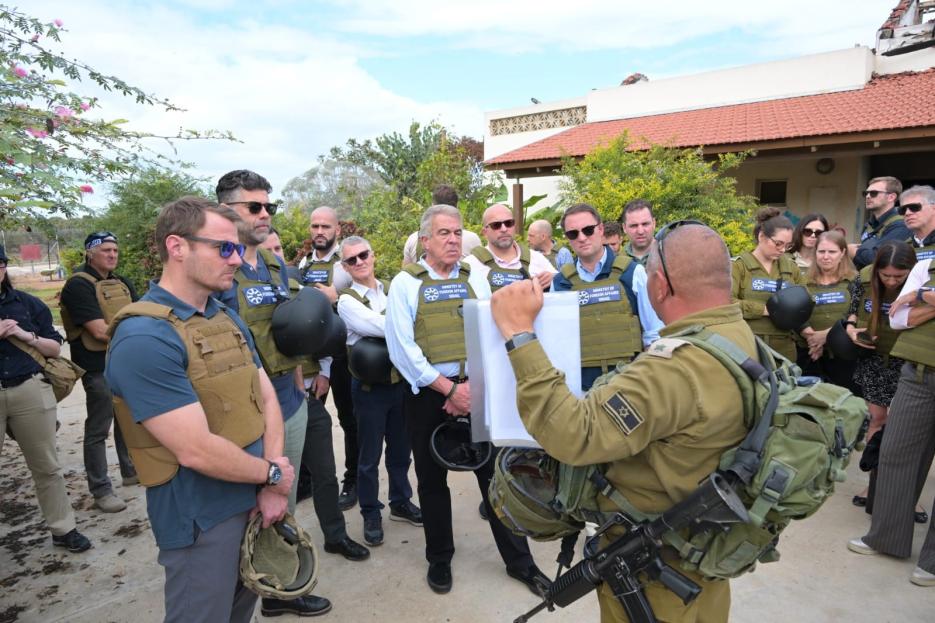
[[48, 293]]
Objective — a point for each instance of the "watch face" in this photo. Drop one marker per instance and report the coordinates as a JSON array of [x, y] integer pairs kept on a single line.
[[275, 474]]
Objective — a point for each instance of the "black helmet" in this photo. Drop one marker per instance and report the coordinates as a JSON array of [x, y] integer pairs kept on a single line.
[[790, 308], [279, 562], [335, 340], [302, 324], [452, 448], [840, 343], [369, 361]]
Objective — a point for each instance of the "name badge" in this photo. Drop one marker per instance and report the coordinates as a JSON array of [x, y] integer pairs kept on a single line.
[[261, 295], [767, 285], [868, 307], [499, 279], [828, 298], [925, 255], [444, 292], [600, 294], [316, 275]]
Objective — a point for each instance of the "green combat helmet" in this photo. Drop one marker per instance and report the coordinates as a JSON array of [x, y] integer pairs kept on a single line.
[[279, 562]]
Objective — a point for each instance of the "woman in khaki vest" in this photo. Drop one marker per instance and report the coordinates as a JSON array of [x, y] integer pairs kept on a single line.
[[757, 274], [829, 281]]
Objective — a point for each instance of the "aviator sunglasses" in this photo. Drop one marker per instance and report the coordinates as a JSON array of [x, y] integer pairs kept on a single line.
[[908, 207], [572, 234], [497, 225], [360, 257], [225, 248], [256, 206], [665, 231]]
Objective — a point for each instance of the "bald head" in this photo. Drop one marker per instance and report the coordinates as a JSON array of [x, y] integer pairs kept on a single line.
[[497, 212], [539, 236], [541, 226], [698, 264], [324, 212], [323, 228]]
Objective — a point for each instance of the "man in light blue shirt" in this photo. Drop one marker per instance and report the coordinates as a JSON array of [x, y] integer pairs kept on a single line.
[[425, 338]]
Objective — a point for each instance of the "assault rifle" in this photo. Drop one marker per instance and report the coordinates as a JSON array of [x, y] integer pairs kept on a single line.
[[713, 505]]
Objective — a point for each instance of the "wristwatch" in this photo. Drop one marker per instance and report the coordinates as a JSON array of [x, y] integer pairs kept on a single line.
[[274, 475], [921, 292], [519, 339]]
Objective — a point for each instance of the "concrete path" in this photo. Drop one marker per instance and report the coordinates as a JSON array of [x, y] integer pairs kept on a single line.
[[118, 580]]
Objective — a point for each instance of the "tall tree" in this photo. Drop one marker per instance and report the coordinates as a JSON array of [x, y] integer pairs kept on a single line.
[[339, 184]]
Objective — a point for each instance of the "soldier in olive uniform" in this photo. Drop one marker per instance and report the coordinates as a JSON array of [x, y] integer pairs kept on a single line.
[[663, 421]]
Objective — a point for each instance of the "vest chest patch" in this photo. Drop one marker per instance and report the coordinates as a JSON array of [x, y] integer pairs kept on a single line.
[[868, 307], [828, 298], [622, 413], [767, 285], [444, 292], [499, 279], [316, 275], [265, 294], [925, 255], [598, 294]]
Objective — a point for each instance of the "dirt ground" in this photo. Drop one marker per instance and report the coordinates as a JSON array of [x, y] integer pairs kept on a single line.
[[118, 580]]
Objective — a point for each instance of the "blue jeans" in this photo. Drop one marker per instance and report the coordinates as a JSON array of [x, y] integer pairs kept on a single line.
[[379, 411]]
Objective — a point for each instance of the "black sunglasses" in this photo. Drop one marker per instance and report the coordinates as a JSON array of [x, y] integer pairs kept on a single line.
[[360, 257], [572, 234], [908, 207], [497, 225], [225, 247], [873, 193], [256, 206], [660, 236], [808, 232]]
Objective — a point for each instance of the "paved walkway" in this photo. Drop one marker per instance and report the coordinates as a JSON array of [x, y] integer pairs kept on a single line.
[[119, 580]]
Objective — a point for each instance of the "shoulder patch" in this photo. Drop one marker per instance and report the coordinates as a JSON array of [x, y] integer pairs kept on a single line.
[[622, 413], [665, 346]]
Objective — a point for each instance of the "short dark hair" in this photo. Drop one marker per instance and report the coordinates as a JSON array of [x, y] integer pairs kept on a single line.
[[798, 233], [444, 194], [892, 184], [635, 206], [184, 217], [244, 179], [578, 208], [769, 220], [613, 228]]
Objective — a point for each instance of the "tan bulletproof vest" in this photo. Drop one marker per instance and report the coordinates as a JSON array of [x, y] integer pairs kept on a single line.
[[319, 271], [758, 288], [831, 303], [112, 296], [222, 373], [610, 329], [886, 336], [918, 343], [499, 276]]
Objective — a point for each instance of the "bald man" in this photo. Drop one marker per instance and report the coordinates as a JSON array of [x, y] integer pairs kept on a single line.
[[663, 421], [503, 260], [540, 238]]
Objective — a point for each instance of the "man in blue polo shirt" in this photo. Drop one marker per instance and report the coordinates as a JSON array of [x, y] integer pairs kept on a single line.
[[200, 415]]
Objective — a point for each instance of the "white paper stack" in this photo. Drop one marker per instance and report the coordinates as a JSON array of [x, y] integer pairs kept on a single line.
[[494, 416]]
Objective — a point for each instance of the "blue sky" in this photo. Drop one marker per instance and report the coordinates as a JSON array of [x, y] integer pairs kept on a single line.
[[291, 78]]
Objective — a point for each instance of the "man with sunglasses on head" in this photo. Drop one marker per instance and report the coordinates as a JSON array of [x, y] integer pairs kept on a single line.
[[617, 320], [660, 423], [884, 223], [322, 269], [90, 300], [200, 415], [503, 260], [259, 285], [425, 338]]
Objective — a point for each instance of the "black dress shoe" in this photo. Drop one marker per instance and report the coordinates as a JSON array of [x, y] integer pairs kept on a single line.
[[349, 548], [859, 500], [532, 577], [308, 606], [482, 510], [348, 497], [920, 517], [439, 577]]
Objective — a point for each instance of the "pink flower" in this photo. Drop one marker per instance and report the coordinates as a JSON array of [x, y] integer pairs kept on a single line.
[[63, 111], [20, 72], [35, 38], [36, 133], [86, 188], [58, 23], [85, 106]]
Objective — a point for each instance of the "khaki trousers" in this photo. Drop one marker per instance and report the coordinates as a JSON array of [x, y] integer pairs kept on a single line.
[[30, 411]]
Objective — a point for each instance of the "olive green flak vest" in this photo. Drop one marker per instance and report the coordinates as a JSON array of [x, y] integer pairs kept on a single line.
[[881, 226], [918, 344], [395, 377], [755, 288], [610, 329], [257, 301], [499, 276], [886, 336], [439, 327], [924, 253], [112, 296], [223, 375], [319, 271], [831, 303]]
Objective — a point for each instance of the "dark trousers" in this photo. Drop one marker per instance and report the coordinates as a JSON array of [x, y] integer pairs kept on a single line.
[[100, 414], [828, 369], [318, 471], [423, 413], [341, 391], [379, 411]]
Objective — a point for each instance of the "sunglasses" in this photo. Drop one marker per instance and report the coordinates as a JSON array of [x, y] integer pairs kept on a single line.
[[498, 225], [226, 248], [360, 257], [572, 234], [873, 193], [808, 232], [256, 206], [665, 231], [908, 207]]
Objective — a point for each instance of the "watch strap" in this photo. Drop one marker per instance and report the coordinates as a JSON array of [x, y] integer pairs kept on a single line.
[[519, 339]]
